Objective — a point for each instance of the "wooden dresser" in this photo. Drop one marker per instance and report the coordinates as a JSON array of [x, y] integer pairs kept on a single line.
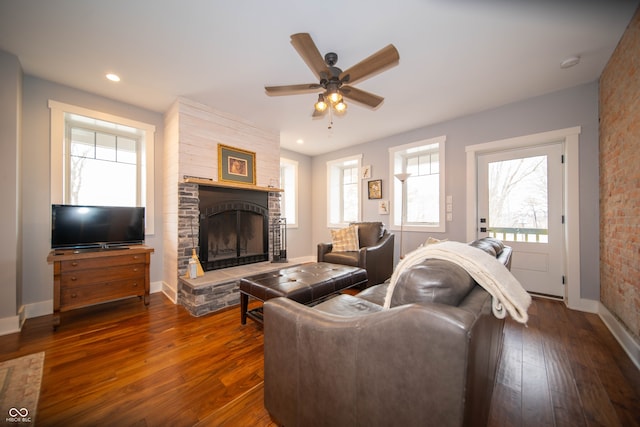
[[82, 278]]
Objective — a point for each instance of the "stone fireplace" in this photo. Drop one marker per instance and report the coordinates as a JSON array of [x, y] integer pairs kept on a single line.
[[226, 226], [192, 135], [229, 228]]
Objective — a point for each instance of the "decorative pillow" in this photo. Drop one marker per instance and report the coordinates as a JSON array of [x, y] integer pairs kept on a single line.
[[345, 239], [433, 280]]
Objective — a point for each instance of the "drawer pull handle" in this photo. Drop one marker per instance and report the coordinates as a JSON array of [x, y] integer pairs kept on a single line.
[[135, 270], [136, 257], [74, 295], [135, 285], [74, 263], [74, 278]]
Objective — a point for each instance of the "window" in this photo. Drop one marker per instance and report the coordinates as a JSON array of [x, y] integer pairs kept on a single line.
[[289, 183], [95, 150], [99, 159], [422, 195], [343, 191]]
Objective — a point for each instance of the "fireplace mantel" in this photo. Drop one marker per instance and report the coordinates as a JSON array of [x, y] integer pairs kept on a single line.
[[211, 183]]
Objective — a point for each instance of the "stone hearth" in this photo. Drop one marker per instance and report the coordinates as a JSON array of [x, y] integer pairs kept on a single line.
[[219, 289]]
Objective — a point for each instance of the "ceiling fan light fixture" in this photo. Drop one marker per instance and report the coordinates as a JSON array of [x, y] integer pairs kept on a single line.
[[321, 105], [340, 107], [335, 97]]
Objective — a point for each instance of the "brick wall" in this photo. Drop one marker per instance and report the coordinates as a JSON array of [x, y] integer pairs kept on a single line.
[[620, 180]]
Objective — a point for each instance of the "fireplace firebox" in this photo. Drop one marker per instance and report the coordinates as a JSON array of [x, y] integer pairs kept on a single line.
[[233, 231]]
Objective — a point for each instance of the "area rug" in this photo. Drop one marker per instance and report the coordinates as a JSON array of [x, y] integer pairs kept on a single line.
[[20, 380]]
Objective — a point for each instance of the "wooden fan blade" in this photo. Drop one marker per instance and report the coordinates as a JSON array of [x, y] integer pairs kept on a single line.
[[383, 59], [366, 98], [307, 49], [292, 89]]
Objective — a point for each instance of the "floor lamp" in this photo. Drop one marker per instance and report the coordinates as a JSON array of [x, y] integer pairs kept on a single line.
[[402, 177]]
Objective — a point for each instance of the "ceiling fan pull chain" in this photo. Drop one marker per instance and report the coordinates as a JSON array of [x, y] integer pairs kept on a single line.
[[330, 119]]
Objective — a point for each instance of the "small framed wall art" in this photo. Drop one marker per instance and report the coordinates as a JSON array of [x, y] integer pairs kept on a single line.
[[236, 165], [383, 207], [375, 189]]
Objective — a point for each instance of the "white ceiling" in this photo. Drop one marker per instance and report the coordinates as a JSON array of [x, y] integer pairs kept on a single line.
[[456, 56]]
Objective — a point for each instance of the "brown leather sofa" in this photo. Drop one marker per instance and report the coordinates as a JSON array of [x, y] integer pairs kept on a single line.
[[375, 254], [430, 360]]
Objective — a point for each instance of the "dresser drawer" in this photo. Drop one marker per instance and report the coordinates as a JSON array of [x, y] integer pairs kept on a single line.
[[78, 296], [81, 277], [104, 262]]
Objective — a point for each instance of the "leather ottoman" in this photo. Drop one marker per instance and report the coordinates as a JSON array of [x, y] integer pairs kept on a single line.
[[306, 284]]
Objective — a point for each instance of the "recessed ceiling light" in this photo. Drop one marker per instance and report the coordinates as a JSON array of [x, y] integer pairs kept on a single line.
[[570, 62], [113, 77], [300, 141]]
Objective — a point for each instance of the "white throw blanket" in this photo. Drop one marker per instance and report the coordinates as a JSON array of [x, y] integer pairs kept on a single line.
[[508, 294]]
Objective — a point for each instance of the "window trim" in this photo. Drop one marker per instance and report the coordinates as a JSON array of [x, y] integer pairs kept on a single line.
[[338, 164], [57, 141], [294, 165], [397, 186]]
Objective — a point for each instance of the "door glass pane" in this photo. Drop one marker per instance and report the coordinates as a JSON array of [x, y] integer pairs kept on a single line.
[[518, 199]]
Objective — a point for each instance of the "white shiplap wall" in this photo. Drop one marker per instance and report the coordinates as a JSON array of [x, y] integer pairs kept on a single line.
[[170, 202], [202, 128]]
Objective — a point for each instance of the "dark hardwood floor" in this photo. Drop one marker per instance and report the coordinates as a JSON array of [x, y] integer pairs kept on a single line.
[[124, 364]]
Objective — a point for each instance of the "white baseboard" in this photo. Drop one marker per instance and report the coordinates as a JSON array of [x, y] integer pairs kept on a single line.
[[170, 293], [37, 309], [586, 305], [155, 287], [630, 345], [12, 324], [9, 325]]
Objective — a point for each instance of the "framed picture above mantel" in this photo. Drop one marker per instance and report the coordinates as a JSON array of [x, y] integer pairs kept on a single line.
[[236, 165]]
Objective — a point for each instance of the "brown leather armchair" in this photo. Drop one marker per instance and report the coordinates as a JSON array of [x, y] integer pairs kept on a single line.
[[375, 254]]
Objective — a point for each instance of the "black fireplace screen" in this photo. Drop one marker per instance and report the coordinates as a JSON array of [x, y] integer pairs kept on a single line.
[[235, 236]]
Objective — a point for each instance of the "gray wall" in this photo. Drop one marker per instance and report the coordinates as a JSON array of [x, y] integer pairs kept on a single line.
[[37, 273], [573, 107], [33, 281], [10, 119], [298, 238]]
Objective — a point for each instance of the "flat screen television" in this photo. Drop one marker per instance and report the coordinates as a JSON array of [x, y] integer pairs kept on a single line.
[[96, 227]]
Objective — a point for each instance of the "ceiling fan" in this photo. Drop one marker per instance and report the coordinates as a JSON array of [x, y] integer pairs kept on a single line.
[[334, 83]]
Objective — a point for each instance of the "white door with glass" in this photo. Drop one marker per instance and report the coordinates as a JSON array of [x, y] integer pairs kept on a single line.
[[520, 202]]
